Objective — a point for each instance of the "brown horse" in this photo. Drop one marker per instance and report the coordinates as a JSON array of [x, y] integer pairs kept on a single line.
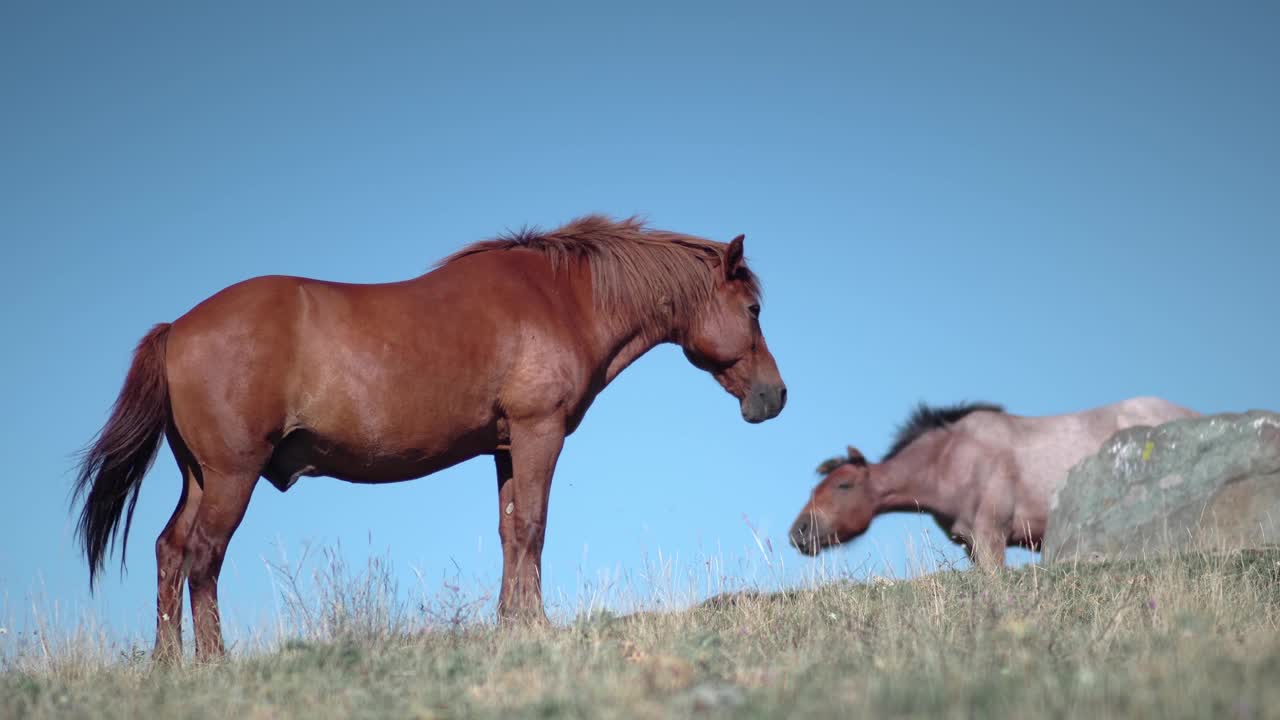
[[986, 476], [498, 351]]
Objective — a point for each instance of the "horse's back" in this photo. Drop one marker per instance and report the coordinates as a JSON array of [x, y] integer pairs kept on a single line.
[[1046, 447], [1084, 426], [272, 322], [1148, 410]]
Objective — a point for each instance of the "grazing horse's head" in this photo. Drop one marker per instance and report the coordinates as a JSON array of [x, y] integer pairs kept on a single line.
[[841, 507], [723, 337]]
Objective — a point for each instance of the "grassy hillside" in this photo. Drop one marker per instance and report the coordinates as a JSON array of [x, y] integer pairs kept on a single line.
[[1194, 636]]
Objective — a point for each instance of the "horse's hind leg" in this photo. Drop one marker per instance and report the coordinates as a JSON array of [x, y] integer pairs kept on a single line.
[[171, 550], [222, 506]]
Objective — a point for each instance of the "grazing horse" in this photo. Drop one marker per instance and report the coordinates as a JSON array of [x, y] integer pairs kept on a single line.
[[499, 350], [984, 475]]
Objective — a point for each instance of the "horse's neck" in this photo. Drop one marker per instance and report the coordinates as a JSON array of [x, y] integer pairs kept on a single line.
[[915, 480], [627, 348], [622, 340]]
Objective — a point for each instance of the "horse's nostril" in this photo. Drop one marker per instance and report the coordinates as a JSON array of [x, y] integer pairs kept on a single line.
[[782, 396]]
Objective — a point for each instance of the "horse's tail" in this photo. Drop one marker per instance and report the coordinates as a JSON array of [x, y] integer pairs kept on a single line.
[[112, 468]]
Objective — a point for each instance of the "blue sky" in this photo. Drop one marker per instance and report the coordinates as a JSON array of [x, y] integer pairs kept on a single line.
[[1048, 206]]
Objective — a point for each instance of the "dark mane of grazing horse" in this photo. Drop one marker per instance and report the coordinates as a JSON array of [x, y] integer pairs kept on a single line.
[[923, 419], [634, 268]]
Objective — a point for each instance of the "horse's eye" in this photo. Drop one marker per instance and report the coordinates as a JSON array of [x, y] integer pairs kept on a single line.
[[843, 486], [754, 310]]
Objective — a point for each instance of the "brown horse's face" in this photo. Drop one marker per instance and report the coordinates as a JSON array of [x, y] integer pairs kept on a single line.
[[724, 338], [840, 509]]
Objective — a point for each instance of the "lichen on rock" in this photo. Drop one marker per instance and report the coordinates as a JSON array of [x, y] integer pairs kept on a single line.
[[1149, 490]]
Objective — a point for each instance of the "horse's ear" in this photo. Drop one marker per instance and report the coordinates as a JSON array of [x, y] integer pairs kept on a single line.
[[855, 457], [733, 258]]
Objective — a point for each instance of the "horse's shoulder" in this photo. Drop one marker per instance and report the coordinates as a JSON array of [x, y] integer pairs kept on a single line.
[[982, 441], [986, 427]]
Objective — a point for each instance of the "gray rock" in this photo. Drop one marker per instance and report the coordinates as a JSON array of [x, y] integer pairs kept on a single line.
[[1208, 481]]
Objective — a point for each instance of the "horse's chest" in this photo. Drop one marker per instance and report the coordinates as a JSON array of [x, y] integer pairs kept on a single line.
[[955, 529]]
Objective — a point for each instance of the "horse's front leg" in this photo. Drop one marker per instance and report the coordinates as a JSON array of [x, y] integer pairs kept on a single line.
[[994, 519], [524, 483], [986, 547]]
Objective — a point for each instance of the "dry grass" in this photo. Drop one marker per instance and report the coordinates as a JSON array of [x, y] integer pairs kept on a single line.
[[1194, 636]]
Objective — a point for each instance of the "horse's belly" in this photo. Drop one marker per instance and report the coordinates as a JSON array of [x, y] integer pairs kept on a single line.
[[303, 453]]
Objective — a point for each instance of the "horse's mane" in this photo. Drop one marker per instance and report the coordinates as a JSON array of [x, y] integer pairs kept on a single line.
[[634, 268], [925, 418], [922, 420]]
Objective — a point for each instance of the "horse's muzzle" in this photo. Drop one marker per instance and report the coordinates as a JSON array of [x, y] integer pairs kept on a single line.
[[763, 402], [804, 537]]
